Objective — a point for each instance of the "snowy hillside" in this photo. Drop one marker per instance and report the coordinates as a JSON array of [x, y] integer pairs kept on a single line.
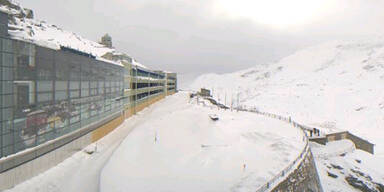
[[343, 168], [333, 86], [23, 26]]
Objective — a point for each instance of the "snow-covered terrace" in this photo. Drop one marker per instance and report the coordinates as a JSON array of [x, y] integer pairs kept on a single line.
[[179, 148]]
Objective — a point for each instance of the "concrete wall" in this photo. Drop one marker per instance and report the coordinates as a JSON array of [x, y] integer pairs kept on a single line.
[[336, 136], [36, 166], [319, 140], [304, 178], [360, 143]]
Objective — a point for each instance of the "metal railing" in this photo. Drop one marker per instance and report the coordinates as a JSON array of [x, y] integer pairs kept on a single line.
[[293, 165]]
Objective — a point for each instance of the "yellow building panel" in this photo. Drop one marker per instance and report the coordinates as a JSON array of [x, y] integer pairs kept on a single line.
[[106, 128]]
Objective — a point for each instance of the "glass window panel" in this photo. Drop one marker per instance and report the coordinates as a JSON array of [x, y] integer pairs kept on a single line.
[[44, 63], [62, 71], [61, 95], [25, 48], [7, 87], [19, 125], [101, 91], [24, 61], [44, 74], [7, 126], [62, 123], [7, 73], [7, 59], [7, 45], [74, 85], [61, 85], [44, 137], [94, 113], [107, 108], [74, 75], [93, 91], [7, 139], [84, 92], [7, 150], [75, 126], [45, 68], [93, 84], [44, 86], [7, 101], [30, 142], [74, 94], [74, 119], [42, 97], [84, 84], [25, 73], [19, 146]]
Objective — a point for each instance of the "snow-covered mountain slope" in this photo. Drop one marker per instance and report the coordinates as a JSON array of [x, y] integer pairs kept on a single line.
[[334, 86], [23, 26], [342, 169]]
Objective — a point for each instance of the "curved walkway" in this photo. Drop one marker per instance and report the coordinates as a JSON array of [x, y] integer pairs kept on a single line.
[[180, 148], [296, 165]]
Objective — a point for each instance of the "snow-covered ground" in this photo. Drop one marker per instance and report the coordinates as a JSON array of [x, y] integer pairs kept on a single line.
[[179, 148], [339, 163], [333, 86], [173, 145]]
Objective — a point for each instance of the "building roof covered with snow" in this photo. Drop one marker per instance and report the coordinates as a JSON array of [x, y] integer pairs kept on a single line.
[[23, 26]]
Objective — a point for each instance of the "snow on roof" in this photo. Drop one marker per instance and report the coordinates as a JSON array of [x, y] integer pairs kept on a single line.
[[51, 36], [109, 61], [134, 62]]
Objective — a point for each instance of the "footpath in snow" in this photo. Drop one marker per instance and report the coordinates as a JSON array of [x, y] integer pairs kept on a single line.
[[179, 148]]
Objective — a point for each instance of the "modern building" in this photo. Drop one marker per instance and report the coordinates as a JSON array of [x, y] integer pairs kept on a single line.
[[205, 92], [106, 40], [54, 102]]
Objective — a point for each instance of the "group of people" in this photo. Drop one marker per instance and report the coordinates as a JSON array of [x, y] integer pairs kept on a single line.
[[314, 132]]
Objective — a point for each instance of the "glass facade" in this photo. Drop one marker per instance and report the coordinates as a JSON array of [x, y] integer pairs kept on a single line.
[[45, 94]]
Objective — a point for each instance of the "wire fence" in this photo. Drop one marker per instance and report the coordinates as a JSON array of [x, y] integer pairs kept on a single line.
[[293, 165]]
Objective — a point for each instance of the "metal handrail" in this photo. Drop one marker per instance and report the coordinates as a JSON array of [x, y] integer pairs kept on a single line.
[[292, 166]]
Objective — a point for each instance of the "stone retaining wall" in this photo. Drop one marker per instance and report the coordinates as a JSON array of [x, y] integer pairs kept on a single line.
[[360, 143], [303, 174], [304, 178]]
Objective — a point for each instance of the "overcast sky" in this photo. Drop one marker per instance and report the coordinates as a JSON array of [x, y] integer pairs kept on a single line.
[[192, 37]]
